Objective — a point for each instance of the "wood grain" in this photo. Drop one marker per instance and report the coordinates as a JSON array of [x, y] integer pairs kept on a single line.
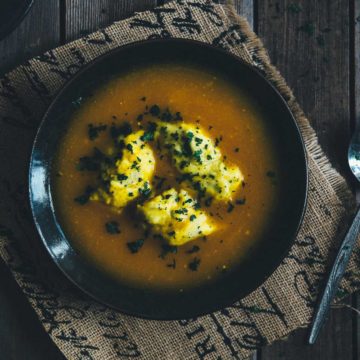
[[355, 20], [315, 65], [38, 32], [21, 334], [83, 16], [309, 43], [246, 9]]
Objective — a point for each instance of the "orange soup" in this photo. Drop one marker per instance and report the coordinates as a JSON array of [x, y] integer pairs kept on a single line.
[[122, 243]]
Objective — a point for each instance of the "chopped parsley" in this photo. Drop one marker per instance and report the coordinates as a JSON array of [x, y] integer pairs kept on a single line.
[[197, 155], [124, 130], [145, 191], [240, 201], [167, 249], [193, 250], [178, 116], [160, 183], [166, 116], [84, 198], [149, 133], [181, 211], [112, 227], [88, 163], [154, 110], [93, 131], [198, 141], [192, 217], [122, 177], [130, 148], [230, 207], [194, 264], [218, 141], [135, 246], [208, 201], [189, 135]]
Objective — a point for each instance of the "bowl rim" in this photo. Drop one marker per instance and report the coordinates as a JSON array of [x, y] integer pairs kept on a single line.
[[206, 46]]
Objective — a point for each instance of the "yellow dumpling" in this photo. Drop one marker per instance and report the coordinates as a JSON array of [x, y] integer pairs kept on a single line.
[[130, 176], [176, 217], [196, 156]]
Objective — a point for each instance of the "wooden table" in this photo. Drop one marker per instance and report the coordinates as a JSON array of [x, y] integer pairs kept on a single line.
[[315, 45]]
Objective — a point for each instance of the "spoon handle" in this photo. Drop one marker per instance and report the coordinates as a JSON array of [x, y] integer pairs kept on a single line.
[[336, 274]]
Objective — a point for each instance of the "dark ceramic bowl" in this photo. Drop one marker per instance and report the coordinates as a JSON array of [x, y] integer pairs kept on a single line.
[[12, 13], [251, 272]]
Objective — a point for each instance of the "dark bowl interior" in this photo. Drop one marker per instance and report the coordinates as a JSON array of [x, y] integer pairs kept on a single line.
[[264, 258]]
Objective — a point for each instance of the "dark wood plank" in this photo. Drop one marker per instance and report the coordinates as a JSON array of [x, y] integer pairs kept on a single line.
[[316, 65], [39, 31], [21, 334], [310, 46], [84, 16], [334, 342], [246, 9], [356, 97]]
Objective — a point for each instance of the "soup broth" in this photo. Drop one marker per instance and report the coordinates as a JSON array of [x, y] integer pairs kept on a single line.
[[228, 116]]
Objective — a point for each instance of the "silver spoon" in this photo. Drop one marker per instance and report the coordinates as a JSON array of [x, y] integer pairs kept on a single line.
[[346, 248]]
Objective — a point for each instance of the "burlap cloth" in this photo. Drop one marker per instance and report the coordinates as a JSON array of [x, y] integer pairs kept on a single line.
[[83, 329]]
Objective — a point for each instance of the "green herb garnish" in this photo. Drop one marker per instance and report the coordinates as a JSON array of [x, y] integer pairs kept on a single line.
[[193, 250], [93, 131], [230, 207], [149, 133], [112, 227], [145, 191], [197, 155], [130, 148], [125, 129], [194, 264], [167, 249], [122, 177], [84, 198], [154, 110], [240, 201], [135, 246]]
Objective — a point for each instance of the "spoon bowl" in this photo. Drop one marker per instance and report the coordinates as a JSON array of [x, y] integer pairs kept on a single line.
[[354, 155]]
